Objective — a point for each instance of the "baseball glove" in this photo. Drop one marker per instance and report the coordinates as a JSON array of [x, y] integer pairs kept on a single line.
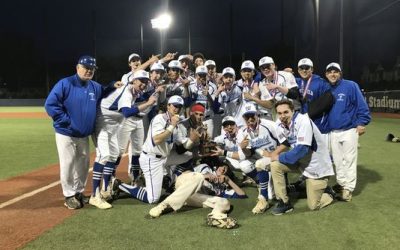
[[225, 223]]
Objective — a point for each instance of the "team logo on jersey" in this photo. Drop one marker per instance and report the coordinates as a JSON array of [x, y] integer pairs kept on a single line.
[[92, 96], [341, 96]]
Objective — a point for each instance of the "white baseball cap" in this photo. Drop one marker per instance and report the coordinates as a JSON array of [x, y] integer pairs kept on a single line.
[[140, 74], [210, 63], [181, 57], [229, 70], [133, 55], [228, 119], [157, 66], [247, 65], [201, 69], [333, 65], [175, 64], [250, 109], [265, 60], [175, 99], [305, 62]]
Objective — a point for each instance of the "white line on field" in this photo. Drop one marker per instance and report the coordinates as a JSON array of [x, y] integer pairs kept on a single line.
[[32, 193]]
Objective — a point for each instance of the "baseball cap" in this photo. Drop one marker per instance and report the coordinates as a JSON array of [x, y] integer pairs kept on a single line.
[[181, 57], [133, 55], [250, 109], [265, 60], [228, 119], [201, 70], [247, 65], [210, 63], [140, 74], [175, 99], [197, 55], [333, 65], [305, 62], [228, 70], [175, 64], [88, 61], [157, 66]]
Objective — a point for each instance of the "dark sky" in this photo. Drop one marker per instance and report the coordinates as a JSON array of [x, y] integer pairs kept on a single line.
[[46, 37]]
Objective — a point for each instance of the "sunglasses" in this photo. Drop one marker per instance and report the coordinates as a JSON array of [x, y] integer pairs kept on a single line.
[[228, 123], [304, 67], [175, 69], [249, 115], [178, 106], [266, 66]]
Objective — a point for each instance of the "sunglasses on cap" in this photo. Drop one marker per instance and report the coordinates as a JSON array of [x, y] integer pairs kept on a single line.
[[265, 66], [228, 123], [175, 69], [249, 115], [304, 67], [176, 105]]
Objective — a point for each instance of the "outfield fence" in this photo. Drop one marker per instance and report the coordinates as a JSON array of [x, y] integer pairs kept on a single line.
[[21, 102], [384, 101]]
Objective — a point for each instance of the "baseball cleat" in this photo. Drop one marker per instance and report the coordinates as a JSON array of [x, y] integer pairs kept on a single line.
[[82, 198], [156, 211], [223, 223], [346, 195], [98, 202], [72, 203], [282, 208], [261, 206], [106, 195], [115, 188]]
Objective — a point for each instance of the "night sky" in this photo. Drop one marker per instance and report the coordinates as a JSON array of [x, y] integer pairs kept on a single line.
[[40, 41]]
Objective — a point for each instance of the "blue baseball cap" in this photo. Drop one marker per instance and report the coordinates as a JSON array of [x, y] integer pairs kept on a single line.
[[88, 61]]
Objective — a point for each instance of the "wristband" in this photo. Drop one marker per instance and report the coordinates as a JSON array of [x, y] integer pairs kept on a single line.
[[229, 154]]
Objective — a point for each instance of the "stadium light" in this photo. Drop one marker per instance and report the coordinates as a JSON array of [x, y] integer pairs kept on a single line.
[[161, 22]]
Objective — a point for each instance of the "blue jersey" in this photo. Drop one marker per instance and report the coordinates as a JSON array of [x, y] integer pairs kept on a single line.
[[350, 108], [72, 105], [310, 91]]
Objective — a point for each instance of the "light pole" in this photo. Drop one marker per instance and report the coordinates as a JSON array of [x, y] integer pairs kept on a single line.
[[162, 23]]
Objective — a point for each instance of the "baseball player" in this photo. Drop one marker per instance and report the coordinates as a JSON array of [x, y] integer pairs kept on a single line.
[[165, 131], [176, 84], [187, 192], [198, 59], [108, 121], [228, 95], [218, 181], [347, 120], [311, 87], [186, 61], [72, 105], [279, 84], [308, 154], [202, 91]]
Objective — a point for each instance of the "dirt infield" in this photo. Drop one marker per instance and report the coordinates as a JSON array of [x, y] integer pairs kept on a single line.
[[386, 115], [27, 219], [23, 115]]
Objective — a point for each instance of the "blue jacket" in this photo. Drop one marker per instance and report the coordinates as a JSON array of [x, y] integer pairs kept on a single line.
[[318, 86], [350, 108], [72, 105]]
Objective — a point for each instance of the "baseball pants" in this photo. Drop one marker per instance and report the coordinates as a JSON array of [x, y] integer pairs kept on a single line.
[[344, 152], [187, 187], [107, 149], [74, 163], [316, 198]]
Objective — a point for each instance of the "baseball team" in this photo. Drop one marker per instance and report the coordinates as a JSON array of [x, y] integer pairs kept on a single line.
[[191, 135]]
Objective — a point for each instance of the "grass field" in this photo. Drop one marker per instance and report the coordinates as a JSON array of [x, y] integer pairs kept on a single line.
[[370, 221]]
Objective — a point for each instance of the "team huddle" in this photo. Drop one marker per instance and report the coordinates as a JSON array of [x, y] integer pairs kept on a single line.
[[190, 134]]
